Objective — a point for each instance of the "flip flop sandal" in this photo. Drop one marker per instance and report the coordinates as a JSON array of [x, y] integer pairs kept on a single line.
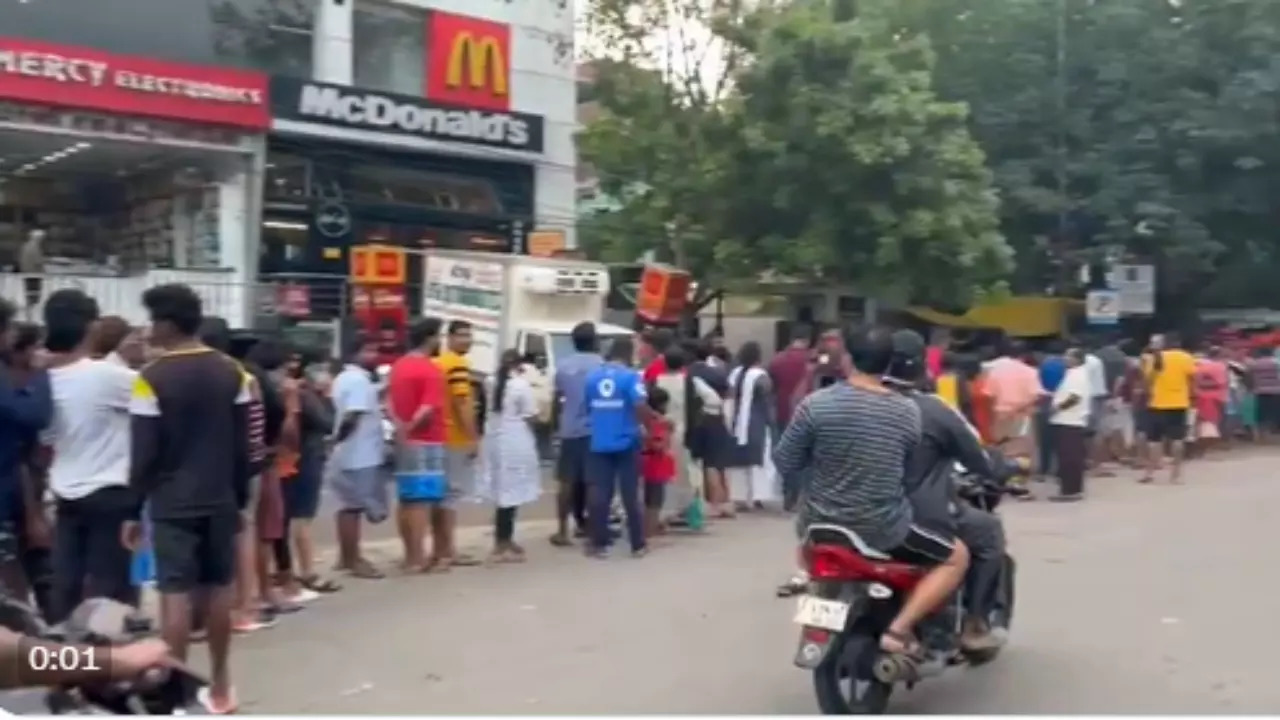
[[366, 572], [205, 698], [911, 647], [561, 541], [464, 560], [315, 583]]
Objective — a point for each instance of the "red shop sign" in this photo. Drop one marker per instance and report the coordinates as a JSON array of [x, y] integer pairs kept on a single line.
[[75, 77]]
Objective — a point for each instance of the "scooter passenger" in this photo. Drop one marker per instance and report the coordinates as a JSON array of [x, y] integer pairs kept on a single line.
[[947, 439]]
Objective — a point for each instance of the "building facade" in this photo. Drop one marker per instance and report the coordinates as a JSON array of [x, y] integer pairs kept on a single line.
[[250, 144]]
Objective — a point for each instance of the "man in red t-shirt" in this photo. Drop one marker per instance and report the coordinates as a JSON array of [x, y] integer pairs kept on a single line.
[[788, 370], [416, 398]]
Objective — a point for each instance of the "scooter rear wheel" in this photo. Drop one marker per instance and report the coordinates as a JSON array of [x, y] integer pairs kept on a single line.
[[845, 683]]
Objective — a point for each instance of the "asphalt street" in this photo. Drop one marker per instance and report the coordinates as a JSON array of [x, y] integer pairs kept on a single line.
[[1142, 599]]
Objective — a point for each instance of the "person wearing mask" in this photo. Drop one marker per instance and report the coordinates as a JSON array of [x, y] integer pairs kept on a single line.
[[89, 472], [462, 444], [26, 407], [417, 400], [787, 372], [573, 424], [1170, 373], [855, 439], [358, 456], [512, 468], [616, 404], [189, 461], [1070, 421], [946, 439]]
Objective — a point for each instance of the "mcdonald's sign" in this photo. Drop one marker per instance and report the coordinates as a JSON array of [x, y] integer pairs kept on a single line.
[[468, 62]]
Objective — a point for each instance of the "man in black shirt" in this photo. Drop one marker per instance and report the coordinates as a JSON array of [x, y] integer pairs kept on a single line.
[[190, 461]]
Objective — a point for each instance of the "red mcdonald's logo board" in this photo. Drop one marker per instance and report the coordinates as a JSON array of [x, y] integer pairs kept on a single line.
[[468, 61]]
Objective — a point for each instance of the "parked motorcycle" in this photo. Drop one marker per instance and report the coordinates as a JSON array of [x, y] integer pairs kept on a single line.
[[855, 591], [102, 622]]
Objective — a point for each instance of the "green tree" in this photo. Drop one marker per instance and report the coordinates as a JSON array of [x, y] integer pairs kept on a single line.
[[659, 79], [780, 138], [1125, 128], [847, 168]]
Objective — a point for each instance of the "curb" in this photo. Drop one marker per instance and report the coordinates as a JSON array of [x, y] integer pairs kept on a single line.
[[380, 552]]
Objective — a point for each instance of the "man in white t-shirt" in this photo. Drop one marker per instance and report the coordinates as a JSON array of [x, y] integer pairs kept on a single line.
[[89, 473], [1069, 416]]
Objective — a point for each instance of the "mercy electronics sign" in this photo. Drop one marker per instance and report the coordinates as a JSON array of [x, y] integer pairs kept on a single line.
[[404, 115]]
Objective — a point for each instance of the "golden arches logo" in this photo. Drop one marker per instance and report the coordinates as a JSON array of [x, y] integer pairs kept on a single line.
[[482, 61]]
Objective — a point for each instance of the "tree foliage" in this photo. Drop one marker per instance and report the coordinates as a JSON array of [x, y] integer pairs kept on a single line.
[[815, 148], [1143, 129]]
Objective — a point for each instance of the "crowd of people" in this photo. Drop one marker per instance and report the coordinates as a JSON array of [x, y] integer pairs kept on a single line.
[[1086, 408], [168, 438]]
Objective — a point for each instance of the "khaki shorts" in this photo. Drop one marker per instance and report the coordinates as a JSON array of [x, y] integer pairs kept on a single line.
[[459, 476]]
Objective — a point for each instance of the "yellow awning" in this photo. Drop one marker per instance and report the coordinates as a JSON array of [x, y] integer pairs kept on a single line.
[[1025, 316]]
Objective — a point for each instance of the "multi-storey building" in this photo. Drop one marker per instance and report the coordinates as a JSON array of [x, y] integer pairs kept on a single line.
[[234, 143]]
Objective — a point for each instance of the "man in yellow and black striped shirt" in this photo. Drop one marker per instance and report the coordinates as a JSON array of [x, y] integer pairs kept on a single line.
[[462, 437]]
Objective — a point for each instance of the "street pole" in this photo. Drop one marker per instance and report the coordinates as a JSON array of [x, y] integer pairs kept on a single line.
[[1060, 164]]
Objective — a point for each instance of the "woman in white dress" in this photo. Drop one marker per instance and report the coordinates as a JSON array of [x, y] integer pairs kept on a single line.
[[510, 473]]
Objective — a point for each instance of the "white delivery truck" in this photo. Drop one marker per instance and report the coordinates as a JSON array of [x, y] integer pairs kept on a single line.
[[515, 301]]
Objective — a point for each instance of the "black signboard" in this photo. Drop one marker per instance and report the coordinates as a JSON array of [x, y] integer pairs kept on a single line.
[[345, 106]]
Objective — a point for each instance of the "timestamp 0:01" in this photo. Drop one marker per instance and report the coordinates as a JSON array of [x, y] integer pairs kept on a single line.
[[41, 662]]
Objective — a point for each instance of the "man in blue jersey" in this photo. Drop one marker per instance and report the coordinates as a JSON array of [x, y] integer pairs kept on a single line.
[[615, 399]]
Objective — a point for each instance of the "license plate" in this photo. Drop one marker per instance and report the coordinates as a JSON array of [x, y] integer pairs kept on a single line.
[[817, 612]]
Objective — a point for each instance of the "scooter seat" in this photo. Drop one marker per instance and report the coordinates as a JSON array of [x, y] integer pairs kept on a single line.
[[827, 533]]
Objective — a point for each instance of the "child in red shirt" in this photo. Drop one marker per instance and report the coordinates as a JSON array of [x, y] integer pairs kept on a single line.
[[657, 461]]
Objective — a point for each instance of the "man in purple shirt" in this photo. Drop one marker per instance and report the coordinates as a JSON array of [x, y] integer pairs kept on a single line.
[[573, 423]]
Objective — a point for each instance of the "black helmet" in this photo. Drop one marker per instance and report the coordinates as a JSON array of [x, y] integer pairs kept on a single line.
[[908, 364]]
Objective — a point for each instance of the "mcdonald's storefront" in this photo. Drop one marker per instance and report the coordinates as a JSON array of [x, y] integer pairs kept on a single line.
[[482, 158]]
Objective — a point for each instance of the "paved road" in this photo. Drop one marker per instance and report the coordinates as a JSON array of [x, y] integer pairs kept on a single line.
[[1144, 599]]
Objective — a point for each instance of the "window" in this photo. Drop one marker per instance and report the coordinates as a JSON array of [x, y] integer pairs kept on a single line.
[[389, 46], [274, 36], [287, 177]]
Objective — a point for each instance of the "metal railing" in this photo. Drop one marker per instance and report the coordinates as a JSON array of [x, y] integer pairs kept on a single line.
[[263, 303]]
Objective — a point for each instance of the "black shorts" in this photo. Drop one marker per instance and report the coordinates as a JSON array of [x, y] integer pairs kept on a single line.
[[655, 494], [302, 491], [714, 444], [571, 466], [195, 552], [1168, 425], [923, 546]]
